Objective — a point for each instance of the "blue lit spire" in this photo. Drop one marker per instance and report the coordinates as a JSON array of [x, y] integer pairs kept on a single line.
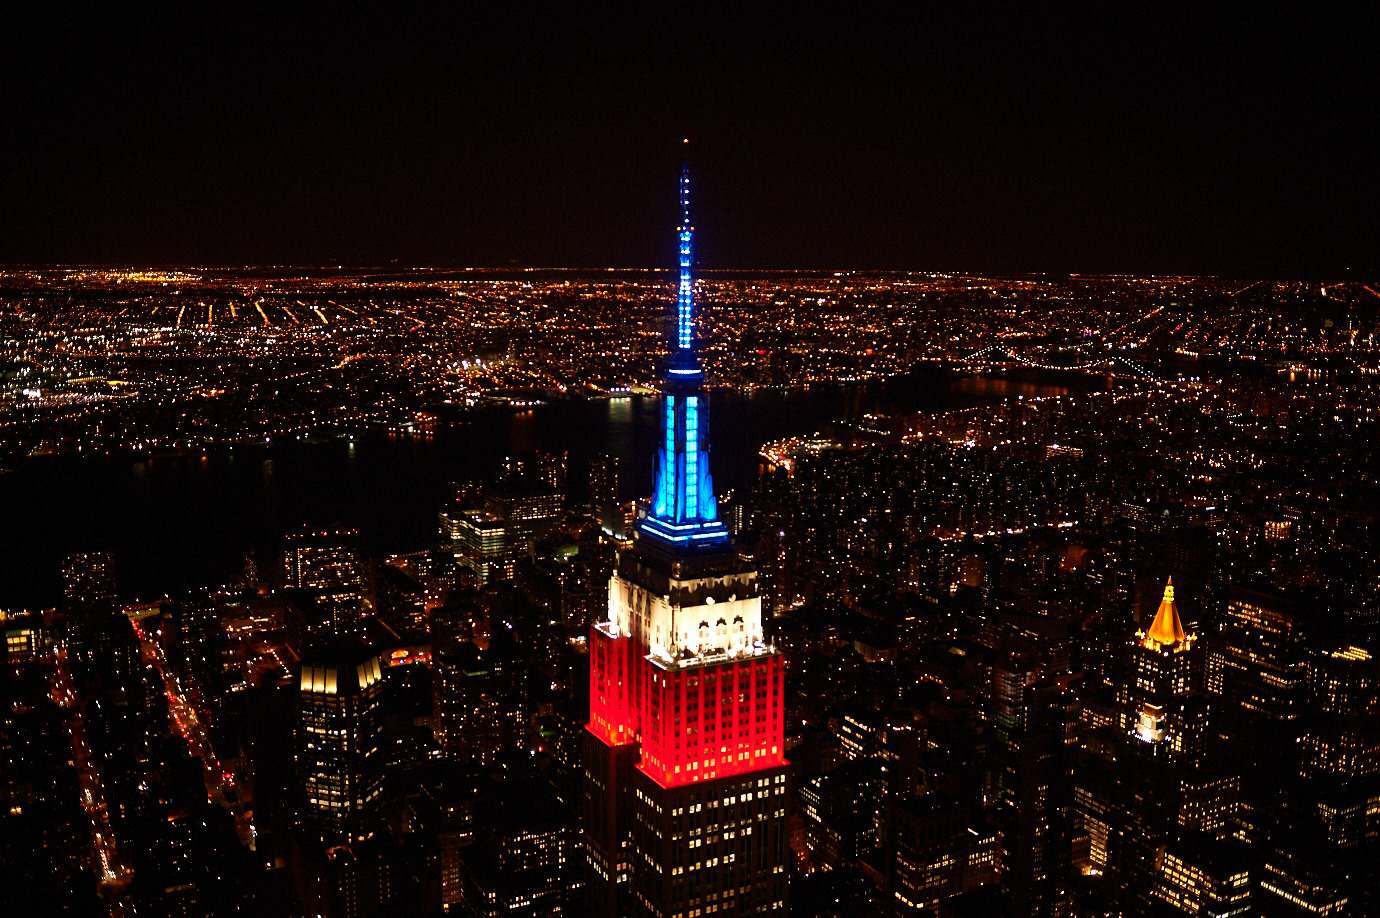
[[685, 291], [685, 510]]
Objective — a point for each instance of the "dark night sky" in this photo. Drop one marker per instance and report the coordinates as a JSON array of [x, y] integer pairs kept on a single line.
[[1166, 138]]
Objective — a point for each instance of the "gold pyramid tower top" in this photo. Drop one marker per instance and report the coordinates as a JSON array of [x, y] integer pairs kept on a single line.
[[1166, 630]]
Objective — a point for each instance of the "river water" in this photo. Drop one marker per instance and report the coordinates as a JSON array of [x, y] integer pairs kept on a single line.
[[177, 521]]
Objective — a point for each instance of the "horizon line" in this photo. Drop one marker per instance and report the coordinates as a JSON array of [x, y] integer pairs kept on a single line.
[[1348, 275]]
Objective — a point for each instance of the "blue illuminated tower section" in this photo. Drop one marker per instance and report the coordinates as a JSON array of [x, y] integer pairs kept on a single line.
[[685, 510]]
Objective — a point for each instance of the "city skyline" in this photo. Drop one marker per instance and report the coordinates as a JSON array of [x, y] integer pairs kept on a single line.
[[679, 591], [1000, 622]]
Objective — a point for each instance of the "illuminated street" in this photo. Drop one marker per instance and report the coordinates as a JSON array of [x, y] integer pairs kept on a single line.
[[114, 875], [221, 786]]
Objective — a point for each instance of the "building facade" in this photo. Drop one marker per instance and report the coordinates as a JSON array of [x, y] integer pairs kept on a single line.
[[340, 741], [327, 564]]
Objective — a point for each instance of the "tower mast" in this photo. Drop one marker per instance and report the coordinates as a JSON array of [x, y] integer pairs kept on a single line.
[[685, 509], [685, 291]]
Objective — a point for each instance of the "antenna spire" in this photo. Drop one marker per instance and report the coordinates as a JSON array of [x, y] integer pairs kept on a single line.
[[685, 234]]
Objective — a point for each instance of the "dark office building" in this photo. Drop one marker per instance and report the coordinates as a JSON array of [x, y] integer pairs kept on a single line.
[[326, 564]]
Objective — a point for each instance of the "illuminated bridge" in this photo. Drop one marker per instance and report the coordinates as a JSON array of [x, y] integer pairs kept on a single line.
[[1086, 361]]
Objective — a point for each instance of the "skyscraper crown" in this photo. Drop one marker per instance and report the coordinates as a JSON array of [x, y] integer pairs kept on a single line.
[[1166, 630]]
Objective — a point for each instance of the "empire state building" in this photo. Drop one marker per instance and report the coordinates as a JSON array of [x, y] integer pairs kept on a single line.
[[685, 769]]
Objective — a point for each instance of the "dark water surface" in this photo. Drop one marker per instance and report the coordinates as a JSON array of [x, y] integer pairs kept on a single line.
[[176, 521]]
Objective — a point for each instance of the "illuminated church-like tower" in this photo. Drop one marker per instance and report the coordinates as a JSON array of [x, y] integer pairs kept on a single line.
[[685, 770], [1168, 797], [1159, 697]]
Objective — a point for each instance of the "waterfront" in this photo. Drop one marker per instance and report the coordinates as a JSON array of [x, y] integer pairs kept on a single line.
[[174, 521]]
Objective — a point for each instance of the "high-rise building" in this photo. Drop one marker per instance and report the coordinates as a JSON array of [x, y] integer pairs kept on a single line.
[[88, 604], [1325, 838], [1034, 800], [88, 580], [940, 855], [340, 740], [489, 531], [685, 766], [1257, 664], [524, 861], [480, 700], [327, 563], [456, 621], [482, 543], [551, 469], [402, 596], [604, 492], [531, 502], [1198, 877], [22, 632], [1163, 821], [1158, 698]]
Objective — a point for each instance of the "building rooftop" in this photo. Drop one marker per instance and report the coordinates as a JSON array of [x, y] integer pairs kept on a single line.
[[1166, 630]]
